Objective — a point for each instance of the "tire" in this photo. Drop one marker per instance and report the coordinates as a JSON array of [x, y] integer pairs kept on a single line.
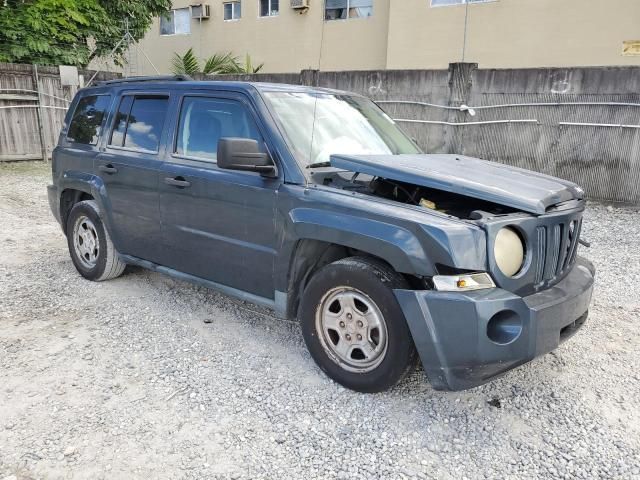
[[90, 246], [338, 315]]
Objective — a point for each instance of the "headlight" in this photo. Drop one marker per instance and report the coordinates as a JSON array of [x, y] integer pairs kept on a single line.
[[508, 251]]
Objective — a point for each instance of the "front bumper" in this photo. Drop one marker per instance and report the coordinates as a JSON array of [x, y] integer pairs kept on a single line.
[[466, 339]]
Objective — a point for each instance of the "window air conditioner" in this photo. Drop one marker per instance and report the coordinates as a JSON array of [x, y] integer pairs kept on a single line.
[[299, 4], [200, 12]]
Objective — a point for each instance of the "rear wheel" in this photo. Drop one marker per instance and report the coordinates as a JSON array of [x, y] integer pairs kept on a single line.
[[354, 327], [90, 246]]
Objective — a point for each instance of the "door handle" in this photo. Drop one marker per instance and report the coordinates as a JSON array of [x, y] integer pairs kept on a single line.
[[110, 169], [177, 182]]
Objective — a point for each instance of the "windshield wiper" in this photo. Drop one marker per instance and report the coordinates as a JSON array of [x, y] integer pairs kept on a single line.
[[319, 165]]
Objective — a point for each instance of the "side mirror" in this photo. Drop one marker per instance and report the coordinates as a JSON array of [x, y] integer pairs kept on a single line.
[[244, 154]]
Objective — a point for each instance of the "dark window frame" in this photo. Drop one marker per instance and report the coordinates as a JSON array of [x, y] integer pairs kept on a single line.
[[136, 95], [101, 127]]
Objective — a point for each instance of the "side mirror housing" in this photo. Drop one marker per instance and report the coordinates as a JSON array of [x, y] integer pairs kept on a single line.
[[244, 154]]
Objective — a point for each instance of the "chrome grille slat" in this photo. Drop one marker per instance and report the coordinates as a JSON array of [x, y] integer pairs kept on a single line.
[[556, 249], [574, 243], [541, 253], [554, 246], [563, 247]]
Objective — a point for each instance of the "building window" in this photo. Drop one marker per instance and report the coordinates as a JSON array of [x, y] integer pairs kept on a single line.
[[269, 8], [176, 22], [344, 9], [232, 10], [444, 3]]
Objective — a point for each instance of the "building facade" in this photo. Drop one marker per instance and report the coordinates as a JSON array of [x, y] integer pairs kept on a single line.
[[332, 35]]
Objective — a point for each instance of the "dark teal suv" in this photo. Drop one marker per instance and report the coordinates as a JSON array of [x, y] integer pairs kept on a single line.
[[314, 203]]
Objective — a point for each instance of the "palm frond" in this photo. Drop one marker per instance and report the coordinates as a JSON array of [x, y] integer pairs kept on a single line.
[[186, 64], [248, 66], [220, 63]]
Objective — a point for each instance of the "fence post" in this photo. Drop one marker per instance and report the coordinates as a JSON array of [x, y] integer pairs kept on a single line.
[[43, 144], [309, 77], [460, 84]]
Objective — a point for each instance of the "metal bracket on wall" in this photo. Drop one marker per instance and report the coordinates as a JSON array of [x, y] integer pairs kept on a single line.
[[610, 125], [463, 124]]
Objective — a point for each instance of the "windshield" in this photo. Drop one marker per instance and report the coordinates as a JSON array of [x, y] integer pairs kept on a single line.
[[343, 124]]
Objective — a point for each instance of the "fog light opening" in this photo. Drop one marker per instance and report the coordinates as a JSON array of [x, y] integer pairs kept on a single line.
[[504, 327]]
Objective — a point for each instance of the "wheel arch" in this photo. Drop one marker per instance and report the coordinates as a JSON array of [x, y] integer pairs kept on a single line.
[[68, 198], [77, 186], [318, 237]]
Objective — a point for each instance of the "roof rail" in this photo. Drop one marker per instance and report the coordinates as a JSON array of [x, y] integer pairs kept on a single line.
[[156, 78]]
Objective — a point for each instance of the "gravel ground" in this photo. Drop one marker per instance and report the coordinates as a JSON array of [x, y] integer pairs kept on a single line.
[[148, 377]]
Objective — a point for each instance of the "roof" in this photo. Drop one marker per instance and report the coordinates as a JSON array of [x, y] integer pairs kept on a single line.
[[184, 81]]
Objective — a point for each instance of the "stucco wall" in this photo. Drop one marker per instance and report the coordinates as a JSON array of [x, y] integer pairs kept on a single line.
[[409, 34], [288, 42], [513, 33]]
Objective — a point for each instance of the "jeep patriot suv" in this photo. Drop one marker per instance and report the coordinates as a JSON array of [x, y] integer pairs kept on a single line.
[[314, 203]]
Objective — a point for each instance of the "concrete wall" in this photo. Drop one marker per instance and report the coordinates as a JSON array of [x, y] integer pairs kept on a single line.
[[604, 157], [410, 34]]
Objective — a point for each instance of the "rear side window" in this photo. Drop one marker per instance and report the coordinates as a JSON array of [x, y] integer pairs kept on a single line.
[[204, 121], [86, 123], [139, 122]]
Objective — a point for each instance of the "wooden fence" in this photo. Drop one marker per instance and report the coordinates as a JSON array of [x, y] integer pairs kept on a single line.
[[33, 104]]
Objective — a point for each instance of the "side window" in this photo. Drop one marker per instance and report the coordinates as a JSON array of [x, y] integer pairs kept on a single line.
[[176, 22], [204, 121], [269, 8], [345, 9], [139, 122], [117, 135], [86, 123], [232, 10]]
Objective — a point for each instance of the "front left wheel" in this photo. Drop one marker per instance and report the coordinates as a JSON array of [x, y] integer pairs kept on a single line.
[[90, 246], [354, 327]]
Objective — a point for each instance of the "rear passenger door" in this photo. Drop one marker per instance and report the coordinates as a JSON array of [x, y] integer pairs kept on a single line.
[[217, 224], [128, 165]]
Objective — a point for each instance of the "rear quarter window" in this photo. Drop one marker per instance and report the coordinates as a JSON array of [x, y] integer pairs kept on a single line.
[[88, 118]]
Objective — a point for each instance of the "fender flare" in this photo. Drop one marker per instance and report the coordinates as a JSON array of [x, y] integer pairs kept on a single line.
[[396, 245], [94, 186]]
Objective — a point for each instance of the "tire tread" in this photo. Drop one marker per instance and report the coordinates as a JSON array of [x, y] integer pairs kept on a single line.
[[114, 266], [390, 280]]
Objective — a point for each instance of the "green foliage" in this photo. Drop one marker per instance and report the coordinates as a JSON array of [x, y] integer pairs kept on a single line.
[[185, 64], [248, 66], [71, 32], [220, 63]]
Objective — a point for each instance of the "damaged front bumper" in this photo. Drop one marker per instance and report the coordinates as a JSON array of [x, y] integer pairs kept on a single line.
[[467, 338]]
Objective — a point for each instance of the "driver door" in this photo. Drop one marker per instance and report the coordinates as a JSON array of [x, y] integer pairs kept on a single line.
[[217, 224]]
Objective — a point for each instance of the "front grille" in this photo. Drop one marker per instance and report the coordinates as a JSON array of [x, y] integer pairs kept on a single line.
[[556, 249]]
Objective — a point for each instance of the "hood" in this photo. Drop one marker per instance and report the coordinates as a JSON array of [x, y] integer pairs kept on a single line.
[[491, 181]]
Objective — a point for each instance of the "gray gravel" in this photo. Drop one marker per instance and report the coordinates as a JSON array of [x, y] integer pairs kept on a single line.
[[148, 377]]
